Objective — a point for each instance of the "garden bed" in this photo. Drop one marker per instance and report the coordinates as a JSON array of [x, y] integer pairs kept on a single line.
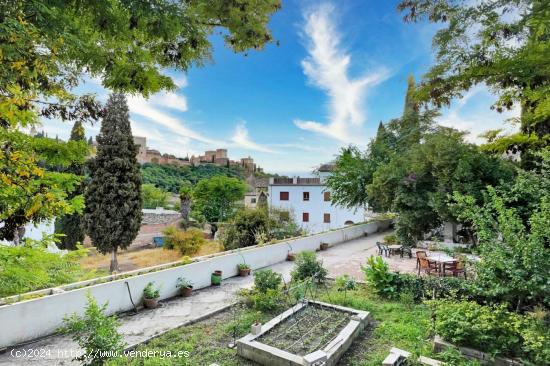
[[310, 329], [307, 333]]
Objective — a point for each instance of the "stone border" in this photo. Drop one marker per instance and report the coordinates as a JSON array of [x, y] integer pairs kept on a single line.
[[249, 348], [440, 345]]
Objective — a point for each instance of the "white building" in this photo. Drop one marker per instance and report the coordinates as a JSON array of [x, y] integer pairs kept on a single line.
[[308, 199]]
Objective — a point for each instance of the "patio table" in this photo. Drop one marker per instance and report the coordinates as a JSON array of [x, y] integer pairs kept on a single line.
[[395, 247], [440, 259]]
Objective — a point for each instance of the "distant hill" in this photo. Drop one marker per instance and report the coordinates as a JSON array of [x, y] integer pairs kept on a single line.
[[170, 178]]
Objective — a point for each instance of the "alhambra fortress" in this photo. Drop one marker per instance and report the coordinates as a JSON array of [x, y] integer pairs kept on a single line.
[[216, 157]]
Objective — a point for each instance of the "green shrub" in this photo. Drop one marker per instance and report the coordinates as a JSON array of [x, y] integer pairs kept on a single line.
[[307, 266], [242, 231], [536, 339], [96, 333], [266, 279], [31, 267], [390, 239], [187, 242], [491, 329], [269, 300], [345, 283], [378, 275], [153, 197]]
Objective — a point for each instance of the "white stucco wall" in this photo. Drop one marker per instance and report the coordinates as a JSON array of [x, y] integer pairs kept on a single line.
[[30, 319], [316, 207]]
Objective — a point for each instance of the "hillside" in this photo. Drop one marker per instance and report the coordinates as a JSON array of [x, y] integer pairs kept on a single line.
[[170, 178]]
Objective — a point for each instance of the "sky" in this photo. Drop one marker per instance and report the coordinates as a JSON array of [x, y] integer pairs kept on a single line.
[[338, 68]]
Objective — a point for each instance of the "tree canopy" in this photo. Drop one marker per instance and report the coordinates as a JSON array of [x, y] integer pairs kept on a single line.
[[214, 199]]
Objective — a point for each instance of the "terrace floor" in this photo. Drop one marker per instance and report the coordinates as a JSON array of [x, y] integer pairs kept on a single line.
[[345, 258]]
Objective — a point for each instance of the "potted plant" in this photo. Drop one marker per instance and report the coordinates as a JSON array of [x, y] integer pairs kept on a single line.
[[185, 286], [216, 278], [290, 256], [256, 327], [324, 246], [244, 269], [151, 296]]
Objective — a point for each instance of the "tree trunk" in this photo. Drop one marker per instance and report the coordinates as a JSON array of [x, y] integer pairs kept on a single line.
[[185, 207], [114, 261]]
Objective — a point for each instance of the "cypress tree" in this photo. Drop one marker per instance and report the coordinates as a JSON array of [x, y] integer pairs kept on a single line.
[[113, 196], [72, 226]]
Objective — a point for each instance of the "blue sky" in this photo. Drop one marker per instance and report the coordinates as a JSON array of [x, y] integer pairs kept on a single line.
[[340, 68]]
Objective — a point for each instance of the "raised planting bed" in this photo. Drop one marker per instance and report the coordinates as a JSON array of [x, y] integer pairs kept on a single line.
[[309, 333]]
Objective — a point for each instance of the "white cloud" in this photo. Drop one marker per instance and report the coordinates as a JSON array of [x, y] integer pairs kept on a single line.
[[170, 100], [147, 109], [471, 113], [327, 67], [241, 139]]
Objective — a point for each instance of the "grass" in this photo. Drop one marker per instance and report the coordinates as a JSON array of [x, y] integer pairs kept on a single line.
[[405, 326], [137, 259]]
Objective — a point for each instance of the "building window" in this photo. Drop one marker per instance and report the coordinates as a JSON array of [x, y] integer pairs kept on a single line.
[[253, 200], [306, 196], [326, 218], [305, 217], [326, 196], [284, 216], [283, 196]]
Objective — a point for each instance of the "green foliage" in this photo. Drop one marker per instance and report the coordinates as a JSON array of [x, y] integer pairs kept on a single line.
[[514, 251], [113, 196], [72, 226], [183, 282], [153, 197], [390, 239], [480, 43], [266, 279], [150, 291], [269, 300], [379, 276], [491, 329], [308, 267], [30, 192], [282, 224], [171, 178], [345, 283], [30, 267], [187, 242], [95, 333], [243, 266], [214, 199], [242, 229]]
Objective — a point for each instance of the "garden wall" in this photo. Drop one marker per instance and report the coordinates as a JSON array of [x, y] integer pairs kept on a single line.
[[30, 319]]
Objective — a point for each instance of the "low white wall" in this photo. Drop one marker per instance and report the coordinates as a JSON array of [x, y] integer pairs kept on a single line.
[[30, 319]]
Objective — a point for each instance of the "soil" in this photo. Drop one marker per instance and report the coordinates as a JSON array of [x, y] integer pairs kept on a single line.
[[310, 329]]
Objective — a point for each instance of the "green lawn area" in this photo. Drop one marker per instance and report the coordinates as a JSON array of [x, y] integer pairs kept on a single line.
[[396, 324]]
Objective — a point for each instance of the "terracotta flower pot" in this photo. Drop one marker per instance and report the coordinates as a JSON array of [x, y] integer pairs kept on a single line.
[[151, 303], [324, 246], [243, 272], [291, 257], [186, 291]]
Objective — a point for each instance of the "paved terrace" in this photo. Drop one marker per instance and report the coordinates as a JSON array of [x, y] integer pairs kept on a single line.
[[345, 258]]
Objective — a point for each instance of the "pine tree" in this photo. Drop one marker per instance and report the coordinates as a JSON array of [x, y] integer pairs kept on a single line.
[[71, 226], [113, 196]]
